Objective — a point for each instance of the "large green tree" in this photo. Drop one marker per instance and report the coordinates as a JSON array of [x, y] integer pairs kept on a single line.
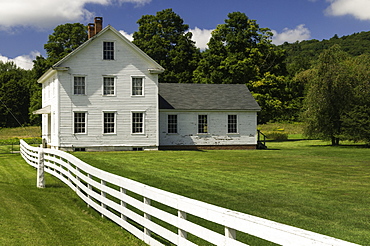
[[356, 120], [329, 95], [14, 95], [65, 39], [166, 39], [239, 51]]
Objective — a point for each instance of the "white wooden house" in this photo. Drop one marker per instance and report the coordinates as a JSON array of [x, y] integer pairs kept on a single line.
[[105, 96]]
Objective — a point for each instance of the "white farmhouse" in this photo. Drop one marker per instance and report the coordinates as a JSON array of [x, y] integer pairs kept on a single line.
[[105, 95]]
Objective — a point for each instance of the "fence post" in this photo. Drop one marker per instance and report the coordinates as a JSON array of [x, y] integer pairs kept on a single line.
[[40, 169], [182, 233], [123, 204], [147, 216], [229, 233]]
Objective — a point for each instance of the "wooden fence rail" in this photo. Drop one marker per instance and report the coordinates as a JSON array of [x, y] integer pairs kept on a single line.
[[156, 216]]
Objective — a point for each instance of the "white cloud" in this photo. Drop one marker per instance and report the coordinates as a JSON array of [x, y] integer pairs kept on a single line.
[[128, 36], [201, 37], [291, 35], [24, 61], [49, 13], [357, 8]]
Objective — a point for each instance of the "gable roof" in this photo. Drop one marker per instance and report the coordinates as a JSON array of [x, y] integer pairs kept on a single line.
[[206, 97], [57, 66]]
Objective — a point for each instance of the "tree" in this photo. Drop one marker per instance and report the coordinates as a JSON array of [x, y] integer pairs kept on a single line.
[[164, 37], [64, 40], [14, 95], [329, 95], [239, 52], [279, 98], [356, 121]]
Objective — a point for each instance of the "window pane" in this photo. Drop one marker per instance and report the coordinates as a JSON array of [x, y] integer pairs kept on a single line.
[[109, 124], [202, 124], [108, 50], [137, 122], [108, 86], [79, 85], [172, 123], [137, 86], [232, 124], [79, 122]]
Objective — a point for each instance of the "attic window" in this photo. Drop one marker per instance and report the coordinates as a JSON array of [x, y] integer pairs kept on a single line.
[[108, 50]]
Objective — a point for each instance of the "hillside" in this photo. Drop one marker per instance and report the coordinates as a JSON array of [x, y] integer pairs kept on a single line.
[[301, 55]]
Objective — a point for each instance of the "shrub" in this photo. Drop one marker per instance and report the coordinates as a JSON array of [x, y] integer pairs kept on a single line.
[[279, 136]]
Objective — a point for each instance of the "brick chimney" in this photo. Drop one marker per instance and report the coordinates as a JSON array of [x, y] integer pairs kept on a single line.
[[96, 27]]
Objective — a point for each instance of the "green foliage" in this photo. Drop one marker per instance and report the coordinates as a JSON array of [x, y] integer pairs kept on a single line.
[[239, 52], [15, 84], [328, 96], [64, 40], [279, 98], [164, 37], [278, 136], [302, 55]]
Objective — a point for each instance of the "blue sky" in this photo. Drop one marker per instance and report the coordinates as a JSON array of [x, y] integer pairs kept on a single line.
[[26, 24]]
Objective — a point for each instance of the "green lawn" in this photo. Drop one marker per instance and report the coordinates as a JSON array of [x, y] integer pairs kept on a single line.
[[51, 216], [307, 184]]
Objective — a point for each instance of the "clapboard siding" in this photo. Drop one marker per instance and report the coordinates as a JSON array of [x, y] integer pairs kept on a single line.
[[217, 129], [88, 62]]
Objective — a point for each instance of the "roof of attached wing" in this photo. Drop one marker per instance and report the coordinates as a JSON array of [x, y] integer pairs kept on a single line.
[[206, 97]]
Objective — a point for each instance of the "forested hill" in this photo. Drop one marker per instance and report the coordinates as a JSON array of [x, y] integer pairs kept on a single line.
[[300, 55]]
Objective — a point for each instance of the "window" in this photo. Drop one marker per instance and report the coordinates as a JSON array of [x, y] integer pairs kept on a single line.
[[79, 122], [232, 123], [137, 122], [79, 85], [137, 86], [172, 123], [108, 86], [202, 124], [109, 123], [108, 50]]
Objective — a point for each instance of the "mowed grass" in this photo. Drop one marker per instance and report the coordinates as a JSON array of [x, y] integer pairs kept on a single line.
[[51, 216], [306, 184]]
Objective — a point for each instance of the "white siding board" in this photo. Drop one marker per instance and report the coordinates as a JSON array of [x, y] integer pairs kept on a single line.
[[217, 130]]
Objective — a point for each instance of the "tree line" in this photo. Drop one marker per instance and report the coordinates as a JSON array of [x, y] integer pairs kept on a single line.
[[304, 81]]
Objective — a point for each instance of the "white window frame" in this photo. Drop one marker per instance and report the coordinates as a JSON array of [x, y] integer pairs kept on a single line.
[[143, 122], [114, 50], [74, 122], [236, 124], [114, 86], [115, 122], [142, 85], [207, 124], [73, 84]]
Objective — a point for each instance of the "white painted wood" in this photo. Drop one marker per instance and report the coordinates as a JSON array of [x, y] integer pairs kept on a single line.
[[70, 170], [40, 170], [217, 128]]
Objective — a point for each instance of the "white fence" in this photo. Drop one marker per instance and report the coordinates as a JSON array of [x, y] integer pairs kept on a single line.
[[156, 216]]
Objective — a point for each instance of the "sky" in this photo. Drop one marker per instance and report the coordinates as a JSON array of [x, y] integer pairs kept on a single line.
[[26, 24]]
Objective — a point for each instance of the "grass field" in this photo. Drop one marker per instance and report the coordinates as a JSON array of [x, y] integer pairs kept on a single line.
[[305, 183], [50, 216]]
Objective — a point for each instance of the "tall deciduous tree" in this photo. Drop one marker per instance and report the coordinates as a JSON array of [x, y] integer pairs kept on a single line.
[[329, 96], [14, 95], [166, 39], [65, 39], [356, 121], [239, 52]]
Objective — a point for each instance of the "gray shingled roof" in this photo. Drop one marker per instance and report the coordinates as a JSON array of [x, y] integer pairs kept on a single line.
[[206, 97]]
